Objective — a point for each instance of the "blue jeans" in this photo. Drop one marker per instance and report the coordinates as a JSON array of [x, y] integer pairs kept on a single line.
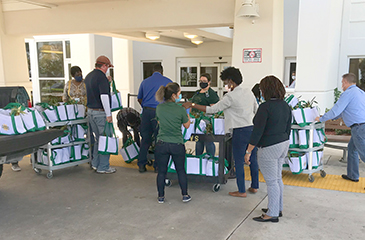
[[148, 128], [97, 120], [199, 148], [240, 141], [163, 152], [355, 147]]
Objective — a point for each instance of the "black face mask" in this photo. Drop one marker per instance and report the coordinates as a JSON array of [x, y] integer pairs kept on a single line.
[[203, 85]]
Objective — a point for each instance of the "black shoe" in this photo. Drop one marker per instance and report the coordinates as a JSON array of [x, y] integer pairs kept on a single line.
[[261, 219], [344, 176], [142, 169], [265, 211]]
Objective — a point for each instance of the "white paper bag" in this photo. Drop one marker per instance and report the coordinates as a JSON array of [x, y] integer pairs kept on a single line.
[[130, 152], [80, 111], [108, 145], [297, 164], [188, 131], [61, 113], [218, 126], [196, 165], [10, 124], [70, 109], [116, 101]]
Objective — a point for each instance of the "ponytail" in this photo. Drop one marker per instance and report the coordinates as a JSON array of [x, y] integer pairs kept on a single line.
[[165, 93]]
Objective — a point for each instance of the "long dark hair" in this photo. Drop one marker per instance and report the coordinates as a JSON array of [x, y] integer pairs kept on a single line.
[[272, 87], [165, 93]]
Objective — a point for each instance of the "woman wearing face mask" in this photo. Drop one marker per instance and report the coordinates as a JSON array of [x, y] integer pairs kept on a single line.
[[239, 106], [75, 89], [170, 141], [205, 96]]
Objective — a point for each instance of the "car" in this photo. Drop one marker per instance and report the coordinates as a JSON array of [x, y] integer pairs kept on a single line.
[[15, 94]]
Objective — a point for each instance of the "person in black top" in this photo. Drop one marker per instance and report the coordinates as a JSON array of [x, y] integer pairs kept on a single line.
[[129, 117], [272, 124], [98, 104]]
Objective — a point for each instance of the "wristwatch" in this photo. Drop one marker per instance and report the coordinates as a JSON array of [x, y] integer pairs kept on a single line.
[[193, 104], [247, 152]]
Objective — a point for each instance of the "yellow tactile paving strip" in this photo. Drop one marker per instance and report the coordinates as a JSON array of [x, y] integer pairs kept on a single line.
[[330, 182]]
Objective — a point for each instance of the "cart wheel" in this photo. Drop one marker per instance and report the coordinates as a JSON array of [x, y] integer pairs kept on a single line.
[[49, 175], [168, 183], [216, 187], [323, 173], [37, 170], [310, 178], [149, 162]]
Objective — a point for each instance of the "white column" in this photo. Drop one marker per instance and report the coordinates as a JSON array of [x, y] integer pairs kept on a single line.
[[319, 34], [264, 32]]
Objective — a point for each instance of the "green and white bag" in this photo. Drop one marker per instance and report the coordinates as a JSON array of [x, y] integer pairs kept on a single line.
[[85, 151], [49, 112], [305, 116], [11, 124], [213, 167], [80, 111], [319, 137], [108, 144], [195, 165], [218, 126], [76, 152], [188, 131], [71, 111], [61, 113], [116, 98], [297, 162], [291, 100], [316, 159], [66, 154], [78, 132], [129, 151], [303, 136], [294, 139]]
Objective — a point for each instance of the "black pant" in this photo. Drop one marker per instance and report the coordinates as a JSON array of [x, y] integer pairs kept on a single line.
[[163, 151], [136, 137], [148, 129]]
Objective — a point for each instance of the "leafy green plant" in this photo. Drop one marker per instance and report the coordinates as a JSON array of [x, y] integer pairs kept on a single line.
[[337, 94]]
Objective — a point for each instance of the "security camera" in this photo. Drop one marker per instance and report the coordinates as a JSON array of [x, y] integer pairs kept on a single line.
[[220, 58]]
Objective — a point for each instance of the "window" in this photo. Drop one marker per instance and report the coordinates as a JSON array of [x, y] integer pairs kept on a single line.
[[28, 60], [357, 67], [188, 76], [148, 69], [50, 59], [213, 72]]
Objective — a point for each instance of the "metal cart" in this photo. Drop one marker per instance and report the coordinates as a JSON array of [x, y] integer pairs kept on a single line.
[[310, 149], [217, 180], [50, 167]]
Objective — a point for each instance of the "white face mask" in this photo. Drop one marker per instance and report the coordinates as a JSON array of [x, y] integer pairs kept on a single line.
[[293, 77], [107, 72], [227, 88]]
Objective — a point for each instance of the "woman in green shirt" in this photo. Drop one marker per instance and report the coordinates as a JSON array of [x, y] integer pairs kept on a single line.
[[205, 96], [170, 141]]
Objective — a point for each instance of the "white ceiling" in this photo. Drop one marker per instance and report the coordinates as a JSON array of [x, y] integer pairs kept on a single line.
[[172, 37]]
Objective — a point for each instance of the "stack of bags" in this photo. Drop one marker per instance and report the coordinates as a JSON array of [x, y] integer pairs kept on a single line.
[[304, 113]]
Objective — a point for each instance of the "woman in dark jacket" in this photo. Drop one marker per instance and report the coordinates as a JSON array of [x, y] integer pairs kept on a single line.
[[271, 130]]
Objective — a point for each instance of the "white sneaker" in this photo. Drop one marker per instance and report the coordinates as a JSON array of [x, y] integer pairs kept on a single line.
[[110, 170], [15, 167]]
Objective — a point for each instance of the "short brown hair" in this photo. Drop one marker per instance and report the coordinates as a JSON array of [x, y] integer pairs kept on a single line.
[[272, 87], [350, 78]]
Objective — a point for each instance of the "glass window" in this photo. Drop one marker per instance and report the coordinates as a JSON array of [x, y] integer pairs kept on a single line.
[[51, 90], [68, 49], [148, 69], [50, 59], [188, 76], [213, 71], [28, 60], [357, 67]]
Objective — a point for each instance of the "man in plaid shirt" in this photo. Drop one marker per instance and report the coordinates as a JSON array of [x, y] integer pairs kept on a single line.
[[129, 117]]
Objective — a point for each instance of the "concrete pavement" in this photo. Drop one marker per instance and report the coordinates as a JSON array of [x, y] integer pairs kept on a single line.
[[80, 204]]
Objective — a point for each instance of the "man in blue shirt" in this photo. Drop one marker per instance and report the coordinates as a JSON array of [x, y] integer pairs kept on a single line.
[[146, 97], [351, 108]]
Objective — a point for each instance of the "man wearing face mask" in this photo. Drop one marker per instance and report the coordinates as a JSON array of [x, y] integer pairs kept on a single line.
[[75, 89], [146, 97], [205, 96], [98, 103]]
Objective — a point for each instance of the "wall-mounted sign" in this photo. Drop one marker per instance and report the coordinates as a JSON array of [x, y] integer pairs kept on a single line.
[[252, 55]]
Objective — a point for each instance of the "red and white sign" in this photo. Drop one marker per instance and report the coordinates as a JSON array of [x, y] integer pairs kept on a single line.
[[252, 55]]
